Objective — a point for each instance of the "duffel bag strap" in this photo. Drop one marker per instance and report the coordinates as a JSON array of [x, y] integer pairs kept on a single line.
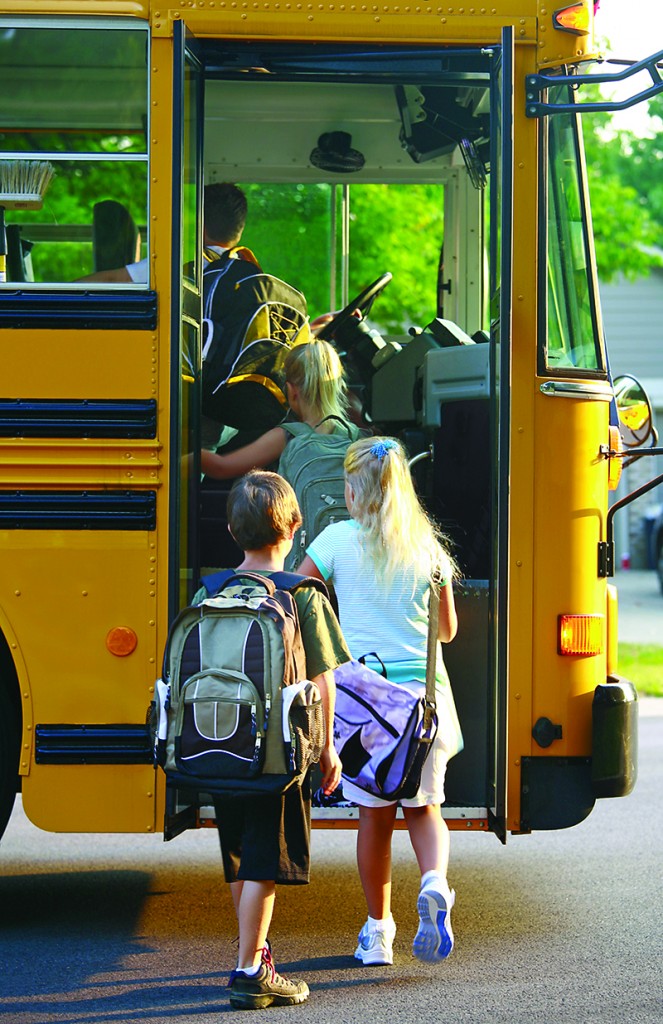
[[431, 653], [373, 654]]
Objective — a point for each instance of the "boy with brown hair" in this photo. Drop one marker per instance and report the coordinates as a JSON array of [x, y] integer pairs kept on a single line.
[[265, 840]]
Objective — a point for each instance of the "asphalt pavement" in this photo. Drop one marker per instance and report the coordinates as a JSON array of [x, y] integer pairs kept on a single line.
[[560, 927]]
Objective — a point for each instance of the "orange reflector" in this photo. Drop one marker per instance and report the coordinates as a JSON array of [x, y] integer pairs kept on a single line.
[[572, 19], [580, 634], [614, 464], [121, 640]]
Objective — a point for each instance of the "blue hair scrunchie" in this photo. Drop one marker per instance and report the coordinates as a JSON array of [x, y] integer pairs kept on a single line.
[[380, 448]]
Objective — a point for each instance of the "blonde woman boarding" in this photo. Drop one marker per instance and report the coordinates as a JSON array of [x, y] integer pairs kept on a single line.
[[382, 562]]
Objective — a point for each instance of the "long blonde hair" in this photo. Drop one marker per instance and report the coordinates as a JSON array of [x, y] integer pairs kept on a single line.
[[396, 534], [316, 369]]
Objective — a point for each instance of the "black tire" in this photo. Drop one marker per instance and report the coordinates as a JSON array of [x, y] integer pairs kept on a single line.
[[10, 745]]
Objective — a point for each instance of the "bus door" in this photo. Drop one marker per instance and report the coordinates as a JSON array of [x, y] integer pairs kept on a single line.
[[467, 399], [184, 324], [356, 163], [501, 289]]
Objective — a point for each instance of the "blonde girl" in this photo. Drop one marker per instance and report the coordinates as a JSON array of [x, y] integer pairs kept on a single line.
[[315, 389], [382, 563]]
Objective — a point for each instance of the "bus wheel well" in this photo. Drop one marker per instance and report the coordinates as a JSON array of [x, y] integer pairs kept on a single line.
[[10, 733]]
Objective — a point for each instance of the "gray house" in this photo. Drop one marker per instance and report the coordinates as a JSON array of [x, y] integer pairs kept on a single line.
[[633, 324]]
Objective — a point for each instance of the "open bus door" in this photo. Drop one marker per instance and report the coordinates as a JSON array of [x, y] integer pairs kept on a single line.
[[185, 316], [502, 210]]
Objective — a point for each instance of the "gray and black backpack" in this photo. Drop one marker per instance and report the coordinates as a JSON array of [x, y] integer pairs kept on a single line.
[[234, 712], [312, 464]]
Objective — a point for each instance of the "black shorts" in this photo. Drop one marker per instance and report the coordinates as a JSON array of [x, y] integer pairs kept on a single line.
[[266, 838]]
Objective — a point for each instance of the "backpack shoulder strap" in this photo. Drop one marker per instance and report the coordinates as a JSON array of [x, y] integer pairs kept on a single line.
[[212, 256], [215, 582], [354, 432], [295, 428], [293, 580], [242, 252]]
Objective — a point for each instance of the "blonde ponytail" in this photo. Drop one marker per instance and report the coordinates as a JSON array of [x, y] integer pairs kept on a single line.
[[397, 534], [316, 369]]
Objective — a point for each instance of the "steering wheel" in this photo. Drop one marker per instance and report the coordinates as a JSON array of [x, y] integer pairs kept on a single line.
[[362, 302]]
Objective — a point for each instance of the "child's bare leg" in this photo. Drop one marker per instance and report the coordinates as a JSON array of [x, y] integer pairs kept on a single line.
[[236, 893], [254, 904], [376, 826], [429, 835]]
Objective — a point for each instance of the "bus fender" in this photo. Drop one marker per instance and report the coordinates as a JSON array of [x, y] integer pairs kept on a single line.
[[614, 738]]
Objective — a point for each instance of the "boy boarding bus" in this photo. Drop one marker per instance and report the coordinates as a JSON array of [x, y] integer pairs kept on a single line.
[[441, 148]]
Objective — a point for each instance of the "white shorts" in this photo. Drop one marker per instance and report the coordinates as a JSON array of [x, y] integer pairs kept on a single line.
[[431, 790]]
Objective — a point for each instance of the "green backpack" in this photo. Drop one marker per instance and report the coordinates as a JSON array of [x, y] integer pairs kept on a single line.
[[234, 712], [313, 464]]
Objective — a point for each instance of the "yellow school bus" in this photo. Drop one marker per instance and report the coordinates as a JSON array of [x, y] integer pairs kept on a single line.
[[456, 125]]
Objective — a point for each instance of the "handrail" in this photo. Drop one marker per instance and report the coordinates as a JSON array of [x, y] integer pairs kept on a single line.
[[536, 84]]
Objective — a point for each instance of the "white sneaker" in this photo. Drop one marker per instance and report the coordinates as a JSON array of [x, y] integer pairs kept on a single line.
[[434, 939], [376, 946]]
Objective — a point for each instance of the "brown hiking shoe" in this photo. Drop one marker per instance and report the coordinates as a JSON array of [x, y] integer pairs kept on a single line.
[[266, 988]]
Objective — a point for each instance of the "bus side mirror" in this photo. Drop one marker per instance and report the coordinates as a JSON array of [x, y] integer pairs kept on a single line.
[[634, 410]]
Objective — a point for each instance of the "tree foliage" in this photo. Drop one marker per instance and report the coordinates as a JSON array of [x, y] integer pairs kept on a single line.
[[626, 192], [392, 227]]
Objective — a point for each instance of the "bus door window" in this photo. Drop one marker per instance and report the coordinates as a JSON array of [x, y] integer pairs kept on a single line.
[[570, 332]]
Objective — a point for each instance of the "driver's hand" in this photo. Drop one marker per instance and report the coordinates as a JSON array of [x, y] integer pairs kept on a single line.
[[322, 321]]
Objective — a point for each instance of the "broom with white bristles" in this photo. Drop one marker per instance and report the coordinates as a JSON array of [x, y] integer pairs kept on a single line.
[[23, 184]]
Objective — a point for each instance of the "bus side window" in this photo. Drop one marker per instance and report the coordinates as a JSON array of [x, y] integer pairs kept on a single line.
[[74, 141]]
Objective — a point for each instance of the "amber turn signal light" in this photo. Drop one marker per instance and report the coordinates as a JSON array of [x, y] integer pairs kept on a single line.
[[574, 18], [580, 634]]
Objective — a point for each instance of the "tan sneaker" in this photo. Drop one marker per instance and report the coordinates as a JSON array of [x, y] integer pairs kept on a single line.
[[266, 988]]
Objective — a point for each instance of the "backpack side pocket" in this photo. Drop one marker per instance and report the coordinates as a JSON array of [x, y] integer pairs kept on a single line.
[[303, 726], [158, 721]]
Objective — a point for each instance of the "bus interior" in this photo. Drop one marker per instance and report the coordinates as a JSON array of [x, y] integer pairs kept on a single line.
[[428, 377]]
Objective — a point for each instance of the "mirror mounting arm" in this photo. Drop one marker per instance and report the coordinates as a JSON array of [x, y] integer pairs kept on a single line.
[[606, 552], [626, 453]]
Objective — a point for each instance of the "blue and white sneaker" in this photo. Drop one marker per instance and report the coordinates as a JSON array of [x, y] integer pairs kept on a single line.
[[434, 939], [376, 946]]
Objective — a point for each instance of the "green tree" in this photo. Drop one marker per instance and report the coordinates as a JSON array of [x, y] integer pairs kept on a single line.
[[626, 192], [392, 227]]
